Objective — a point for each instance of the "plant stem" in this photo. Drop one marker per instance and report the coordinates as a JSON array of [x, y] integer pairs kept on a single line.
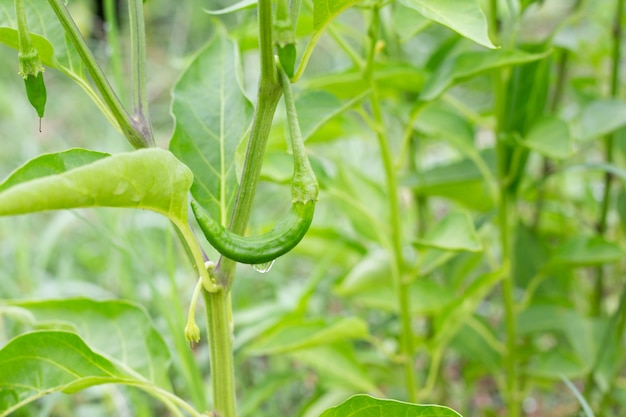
[[126, 123], [269, 94], [219, 303], [220, 339], [141, 110], [402, 287], [609, 144], [505, 222], [113, 43]]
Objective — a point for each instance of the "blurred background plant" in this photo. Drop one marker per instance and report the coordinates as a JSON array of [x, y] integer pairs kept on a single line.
[[537, 124]]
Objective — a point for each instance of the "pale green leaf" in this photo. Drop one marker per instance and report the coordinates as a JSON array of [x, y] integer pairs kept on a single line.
[[212, 117], [307, 334], [469, 64], [367, 406], [455, 232], [588, 251], [602, 117], [550, 136], [151, 179], [39, 363], [463, 16], [337, 365], [50, 164], [241, 5], [8, 36], [324, 11], [120, 330]]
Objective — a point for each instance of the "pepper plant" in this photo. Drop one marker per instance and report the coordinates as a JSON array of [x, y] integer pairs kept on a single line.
[[445, 243]]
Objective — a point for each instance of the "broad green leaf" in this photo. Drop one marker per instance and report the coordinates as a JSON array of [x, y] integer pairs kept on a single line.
[[212, 117], [8, 36], [317, 107], [584, 334], [426, 296], [455, 232], [461, 181], [241, 5], [118, 329], [337, 365], [463, 16], [602, 117], [408, 22], [307, 334], [324, 11], [550, 136], [587, 251], [469, 64], [367, 406], [556, 362], [39, 363], [50, 164], [151, 179]]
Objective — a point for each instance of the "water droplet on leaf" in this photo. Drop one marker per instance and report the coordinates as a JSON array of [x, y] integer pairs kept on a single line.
[[264, 267]]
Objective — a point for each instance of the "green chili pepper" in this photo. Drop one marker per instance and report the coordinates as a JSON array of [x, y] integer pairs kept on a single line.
[[290, 231], [31, 68], [258, 249]]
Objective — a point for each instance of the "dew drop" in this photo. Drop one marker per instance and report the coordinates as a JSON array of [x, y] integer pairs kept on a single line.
[[264, 267]]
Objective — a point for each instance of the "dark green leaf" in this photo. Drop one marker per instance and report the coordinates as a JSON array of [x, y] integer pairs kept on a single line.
[[212, 117], [119, 329]]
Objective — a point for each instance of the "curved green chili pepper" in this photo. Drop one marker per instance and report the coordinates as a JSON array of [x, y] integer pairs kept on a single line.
[[290, 231], [258, 249]]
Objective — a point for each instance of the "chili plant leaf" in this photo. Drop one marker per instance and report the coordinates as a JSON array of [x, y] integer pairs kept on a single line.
[[39, 363], [324, 11], [455, 232], [339, 364], [119, 330], [588, 251], [241, 5], [602, 117], [462, 16], [367, 406], [151, 179], [306, 334], [51, 164], [9, 37], [469, 64], [212, 117], [550, 136]]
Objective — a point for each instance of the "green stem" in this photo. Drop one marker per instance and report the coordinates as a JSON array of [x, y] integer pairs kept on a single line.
[[219, 303], [505, 222], [141, 110], [220, 339], [126, 124], [23, 33], [609, 144], [269, 94], [402, 287], [113, 43]]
